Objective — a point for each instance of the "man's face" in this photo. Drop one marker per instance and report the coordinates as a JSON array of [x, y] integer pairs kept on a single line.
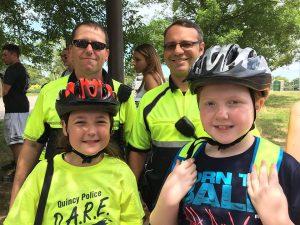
[[7, 57], [179, 59], [87, 61]]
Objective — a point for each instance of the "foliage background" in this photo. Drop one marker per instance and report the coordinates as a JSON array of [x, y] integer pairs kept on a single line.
[[43, 27]]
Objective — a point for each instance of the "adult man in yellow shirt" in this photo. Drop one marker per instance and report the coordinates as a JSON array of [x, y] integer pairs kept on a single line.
[[89, 51], [163, 106]]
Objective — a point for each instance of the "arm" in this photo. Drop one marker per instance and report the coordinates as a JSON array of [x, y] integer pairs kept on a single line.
[[28, 158], [174, 189], [293, 145], [5, 89], [136, 162], [267, 196]]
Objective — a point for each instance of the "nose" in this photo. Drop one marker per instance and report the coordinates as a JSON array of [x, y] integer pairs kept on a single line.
[[89, 48], [91, 130], [178, 49], [222, 112]]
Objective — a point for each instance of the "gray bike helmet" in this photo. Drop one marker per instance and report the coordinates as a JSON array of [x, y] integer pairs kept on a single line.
[[231, 64]]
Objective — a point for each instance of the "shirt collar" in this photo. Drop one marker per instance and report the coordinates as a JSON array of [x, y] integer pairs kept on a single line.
[[173, 86]]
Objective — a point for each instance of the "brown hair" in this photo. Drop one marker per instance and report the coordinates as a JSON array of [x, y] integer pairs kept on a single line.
[[153, 62], [92, 24], [186, 23]]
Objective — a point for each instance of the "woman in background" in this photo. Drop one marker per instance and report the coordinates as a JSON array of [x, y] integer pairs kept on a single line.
[[293, 144], [146, 61]]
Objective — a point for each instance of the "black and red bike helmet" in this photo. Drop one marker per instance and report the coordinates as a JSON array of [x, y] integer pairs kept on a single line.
[[87, 95]]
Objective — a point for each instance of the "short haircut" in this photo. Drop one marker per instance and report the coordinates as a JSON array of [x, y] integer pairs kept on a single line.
[[186, 23], [12, 48], [93, 24]]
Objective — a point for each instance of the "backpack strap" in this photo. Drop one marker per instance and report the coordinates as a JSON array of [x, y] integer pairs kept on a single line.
[[267, 151], [124, 93], [189, 150], [44, 194]]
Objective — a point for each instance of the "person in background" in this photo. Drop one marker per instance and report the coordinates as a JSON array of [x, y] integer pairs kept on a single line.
[[89, 183], [89, 51], [162, 107], [293, 143], [146, 61], [231, 177], [14, 89], [67, 60]]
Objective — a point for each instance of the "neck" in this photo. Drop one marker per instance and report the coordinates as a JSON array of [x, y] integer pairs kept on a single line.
[[76, 160], [183, 86], [89, 76], [15, 61], [236, 149]]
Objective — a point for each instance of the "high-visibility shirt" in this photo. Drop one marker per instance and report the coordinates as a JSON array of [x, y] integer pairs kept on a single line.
[[44, 119]]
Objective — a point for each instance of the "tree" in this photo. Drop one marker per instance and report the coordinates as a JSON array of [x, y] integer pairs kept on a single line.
[[271, 27], [39, 26]]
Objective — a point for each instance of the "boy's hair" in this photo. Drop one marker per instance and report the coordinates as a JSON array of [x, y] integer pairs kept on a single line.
[[94, 25], [186, 23], [12, 48]]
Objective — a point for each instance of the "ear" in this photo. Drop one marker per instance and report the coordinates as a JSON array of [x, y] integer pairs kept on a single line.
[[201, 47], [259, 103], [106, 55], [64, 127]]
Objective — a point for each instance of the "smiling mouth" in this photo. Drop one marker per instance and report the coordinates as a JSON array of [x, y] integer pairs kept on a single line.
[[90, 141], [223, 127]]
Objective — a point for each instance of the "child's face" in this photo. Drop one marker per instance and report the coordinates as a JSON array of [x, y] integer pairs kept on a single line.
[[89, 131], [226, 111]]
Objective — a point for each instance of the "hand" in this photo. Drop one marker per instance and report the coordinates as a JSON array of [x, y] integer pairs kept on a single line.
[[267, 196], [179, 181]]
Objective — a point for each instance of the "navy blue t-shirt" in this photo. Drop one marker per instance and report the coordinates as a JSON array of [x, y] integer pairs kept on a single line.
[[16, 100], [220, 194]]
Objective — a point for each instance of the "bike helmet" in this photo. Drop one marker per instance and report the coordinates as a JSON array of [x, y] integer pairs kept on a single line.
[[86, 95], [231, 64]]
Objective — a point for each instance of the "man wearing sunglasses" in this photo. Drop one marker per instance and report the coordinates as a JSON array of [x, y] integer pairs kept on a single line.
[[162, 107], [89, 51]]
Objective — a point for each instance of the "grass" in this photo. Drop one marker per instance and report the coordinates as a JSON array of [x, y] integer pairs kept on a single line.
[[272, 121]]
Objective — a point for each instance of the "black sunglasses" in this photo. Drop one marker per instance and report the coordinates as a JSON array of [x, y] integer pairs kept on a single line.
[[96, 45], [183, 44]]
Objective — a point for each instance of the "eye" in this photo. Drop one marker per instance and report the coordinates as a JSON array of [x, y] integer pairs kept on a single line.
[[186, 44], [79, 122], [170, 46], [233, 102], [210, 104]]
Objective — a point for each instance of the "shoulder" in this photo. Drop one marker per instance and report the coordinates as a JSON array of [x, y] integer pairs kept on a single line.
[[116, 84], [151, 94], [58, 84], [290, 163], [118, 165]]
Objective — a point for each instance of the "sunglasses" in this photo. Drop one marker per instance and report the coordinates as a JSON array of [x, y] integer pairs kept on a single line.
[[185, 45], [96, 45]]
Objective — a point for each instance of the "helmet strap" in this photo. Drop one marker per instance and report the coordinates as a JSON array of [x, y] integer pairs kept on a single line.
[[238, 140], [86, 158]]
